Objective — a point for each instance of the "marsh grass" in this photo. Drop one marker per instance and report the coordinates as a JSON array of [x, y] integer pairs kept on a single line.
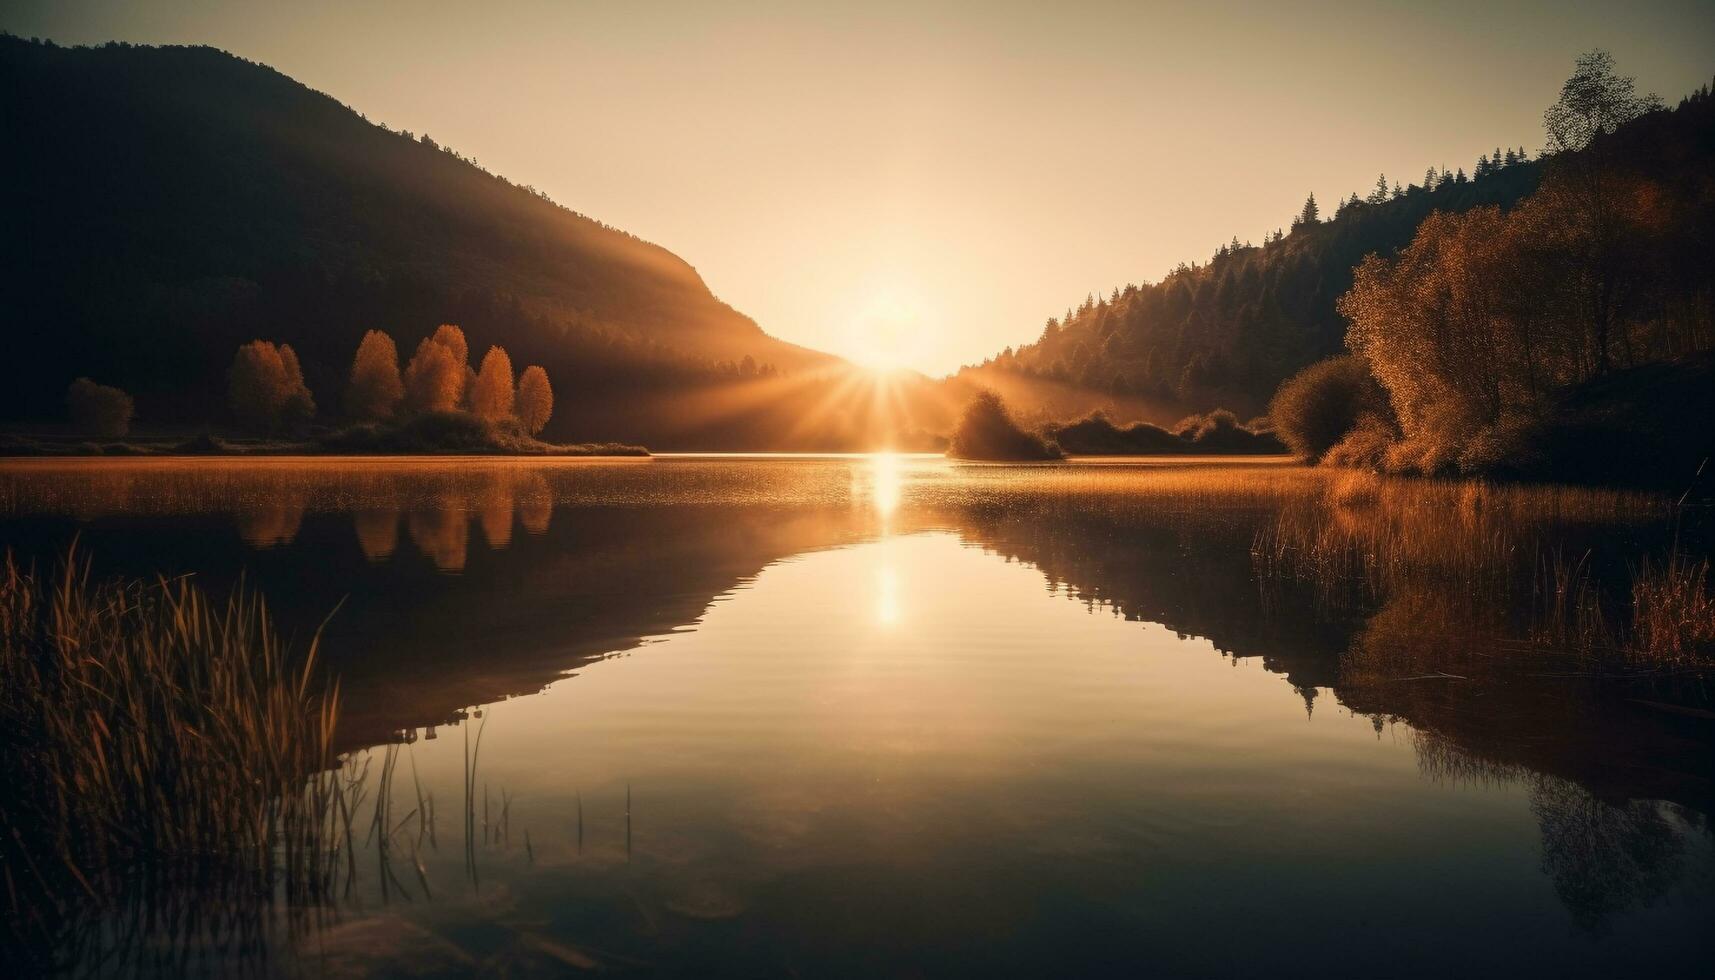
[[156, 742], [1495, 559]]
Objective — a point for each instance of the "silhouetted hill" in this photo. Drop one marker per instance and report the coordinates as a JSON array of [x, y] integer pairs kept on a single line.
[[168, 204]]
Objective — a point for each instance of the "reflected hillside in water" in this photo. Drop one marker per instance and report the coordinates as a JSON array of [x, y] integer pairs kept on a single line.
[[540, 566], [1420, 608], [448, 585]]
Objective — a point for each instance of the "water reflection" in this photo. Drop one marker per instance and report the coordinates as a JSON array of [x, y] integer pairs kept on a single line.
[[875, 710], [377, 532], [442, 534]]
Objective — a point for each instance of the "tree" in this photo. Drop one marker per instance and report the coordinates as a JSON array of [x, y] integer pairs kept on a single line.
[[266, 387], [1308, 215], [535, 399], [375, 390], [452, 338], [300, 406], [1379, 195], [491, 397], [99, 409], [1594, 102], [433, 379]]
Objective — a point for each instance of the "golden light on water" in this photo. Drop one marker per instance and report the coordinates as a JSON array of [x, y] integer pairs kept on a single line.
[[884, 482], [887, 612]]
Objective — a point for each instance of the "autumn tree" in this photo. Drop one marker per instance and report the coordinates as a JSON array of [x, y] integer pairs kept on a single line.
[[452, 338], [535, 399], [375, 389], [434, 380], [99, 409], [491, 397], [265, 386], [300, 406]]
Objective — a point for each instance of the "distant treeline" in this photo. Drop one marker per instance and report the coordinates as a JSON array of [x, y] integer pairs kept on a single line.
[[987, 431], [1217, 433]]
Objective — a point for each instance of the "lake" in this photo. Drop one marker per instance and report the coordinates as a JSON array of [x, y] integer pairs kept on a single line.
[[896, 716]]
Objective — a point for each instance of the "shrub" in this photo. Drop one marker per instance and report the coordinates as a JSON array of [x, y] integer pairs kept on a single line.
[[99, 409], [1319, 406], [1365, 446], [987, 431]]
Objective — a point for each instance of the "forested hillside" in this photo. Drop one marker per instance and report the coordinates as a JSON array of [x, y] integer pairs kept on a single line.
[[1227, 332], [166, 205]]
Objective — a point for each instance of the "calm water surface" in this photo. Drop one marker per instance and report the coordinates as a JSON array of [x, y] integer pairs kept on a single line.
[[896, 717]]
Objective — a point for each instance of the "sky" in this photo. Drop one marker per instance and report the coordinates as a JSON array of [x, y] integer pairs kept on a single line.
[[923, 184]]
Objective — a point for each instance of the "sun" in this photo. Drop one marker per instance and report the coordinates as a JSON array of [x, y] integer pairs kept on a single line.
[[888, 333]]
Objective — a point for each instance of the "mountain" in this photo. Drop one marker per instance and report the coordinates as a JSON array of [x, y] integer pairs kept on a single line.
[[168, 204]]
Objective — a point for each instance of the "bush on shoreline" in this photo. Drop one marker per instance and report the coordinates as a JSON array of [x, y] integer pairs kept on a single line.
[[986, 431]]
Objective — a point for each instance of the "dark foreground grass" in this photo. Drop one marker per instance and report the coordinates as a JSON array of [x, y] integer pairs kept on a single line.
[[152, 738]]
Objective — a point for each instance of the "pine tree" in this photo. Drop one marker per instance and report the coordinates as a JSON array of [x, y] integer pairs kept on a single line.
[[1308, 215], [1379, 195]]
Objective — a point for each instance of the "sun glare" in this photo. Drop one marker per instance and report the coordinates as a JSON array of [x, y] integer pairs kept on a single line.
[[884, 483], [889, 332]]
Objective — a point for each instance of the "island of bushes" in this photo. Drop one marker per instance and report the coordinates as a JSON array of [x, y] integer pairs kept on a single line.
[[437, 404]]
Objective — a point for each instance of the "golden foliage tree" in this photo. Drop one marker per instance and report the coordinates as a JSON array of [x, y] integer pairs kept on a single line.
[[375, 389], [452, 338], [433, 379], [99, 409], [491, 396], [300, 406], [535, 399], [266, 387]]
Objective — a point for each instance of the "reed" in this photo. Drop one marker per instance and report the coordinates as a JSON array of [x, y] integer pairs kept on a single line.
[[151, 734], [1673, 612], [1483, 550]]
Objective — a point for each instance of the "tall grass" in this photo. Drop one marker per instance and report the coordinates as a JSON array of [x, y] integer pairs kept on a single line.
[[1489, 552], [153, 737]]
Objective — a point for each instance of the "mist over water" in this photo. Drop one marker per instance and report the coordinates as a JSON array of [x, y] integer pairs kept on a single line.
[[890, 715]]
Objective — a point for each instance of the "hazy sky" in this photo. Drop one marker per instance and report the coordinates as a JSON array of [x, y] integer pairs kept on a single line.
[[928, 182]]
